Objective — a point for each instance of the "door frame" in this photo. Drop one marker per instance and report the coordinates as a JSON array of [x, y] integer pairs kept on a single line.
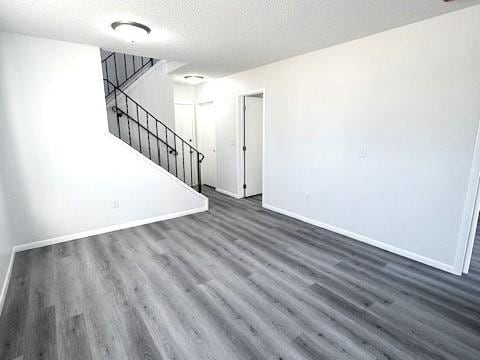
[[240, 137], [470, 214], [472, 231], [197, 104]]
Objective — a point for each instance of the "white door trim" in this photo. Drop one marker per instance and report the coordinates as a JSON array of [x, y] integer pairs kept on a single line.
[[239, 127], [472, 231], [199, 104], [468, 225]]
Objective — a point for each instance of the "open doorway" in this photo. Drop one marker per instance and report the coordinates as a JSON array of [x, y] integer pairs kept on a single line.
[[470, 222], [474, 256], [252, 119], [207, 142], [474, 233]]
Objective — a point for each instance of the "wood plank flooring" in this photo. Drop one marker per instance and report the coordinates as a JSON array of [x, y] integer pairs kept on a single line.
[[237, 282]]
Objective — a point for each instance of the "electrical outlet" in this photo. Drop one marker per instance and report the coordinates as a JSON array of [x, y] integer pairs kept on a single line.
[[115, 204], [307, 196]]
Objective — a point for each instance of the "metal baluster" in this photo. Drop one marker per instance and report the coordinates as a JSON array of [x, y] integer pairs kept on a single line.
[[191, 166], [116, 114], [125, 65], [159, 138], [183, 159], [148, 135], [158, 141], [106, 76], [175, 153], [138, 125], [128, 122], [116, 70], [198, 173], [168, 152]]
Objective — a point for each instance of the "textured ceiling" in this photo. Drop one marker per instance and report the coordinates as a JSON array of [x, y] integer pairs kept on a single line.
[[218, 37]]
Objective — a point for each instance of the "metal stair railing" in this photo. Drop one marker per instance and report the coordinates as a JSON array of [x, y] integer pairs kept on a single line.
[[119, 69], [151, 137]]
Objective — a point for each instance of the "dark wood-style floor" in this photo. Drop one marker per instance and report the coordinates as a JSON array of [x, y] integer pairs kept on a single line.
[[237, 282]]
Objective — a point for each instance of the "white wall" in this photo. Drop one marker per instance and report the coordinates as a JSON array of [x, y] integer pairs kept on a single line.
[[6, 240], [410, 95], [154, 91], [61, 167], [184, 93]]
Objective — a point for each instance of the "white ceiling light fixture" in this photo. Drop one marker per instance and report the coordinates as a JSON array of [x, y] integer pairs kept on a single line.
[[130, 30], [194, 79]]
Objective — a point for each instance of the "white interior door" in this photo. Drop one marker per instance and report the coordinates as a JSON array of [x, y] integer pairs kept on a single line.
[[253, 126], [184, 121], [207, 143], [184, 127]]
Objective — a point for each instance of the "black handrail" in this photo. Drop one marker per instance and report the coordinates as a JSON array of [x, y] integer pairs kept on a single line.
[[120, 81], [168, 133], [153, 117], [120, 112]]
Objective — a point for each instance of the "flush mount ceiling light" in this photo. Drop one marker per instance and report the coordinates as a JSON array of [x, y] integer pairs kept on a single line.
[[194, 79], [130, 30]]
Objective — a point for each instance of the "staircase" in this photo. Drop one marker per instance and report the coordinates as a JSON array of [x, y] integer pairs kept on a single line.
[[122, 70], [135, 125]]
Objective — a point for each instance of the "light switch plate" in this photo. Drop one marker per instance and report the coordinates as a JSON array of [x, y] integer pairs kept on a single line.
[[363, 152]]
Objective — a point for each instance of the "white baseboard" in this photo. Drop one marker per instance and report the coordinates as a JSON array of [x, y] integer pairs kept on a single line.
[[225, 192], [81, 235], [393, 249], [3, 294]]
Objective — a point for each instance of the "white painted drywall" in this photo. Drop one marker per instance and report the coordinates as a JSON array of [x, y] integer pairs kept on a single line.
[[154, 91], [6, 239], [409, 96], [184, 93], [62, 169]]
